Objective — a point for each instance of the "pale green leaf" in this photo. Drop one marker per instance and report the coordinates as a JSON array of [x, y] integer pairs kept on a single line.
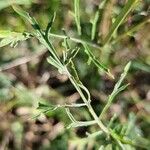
[[93, 59], [77, 15], [12, 38], [22, 13]]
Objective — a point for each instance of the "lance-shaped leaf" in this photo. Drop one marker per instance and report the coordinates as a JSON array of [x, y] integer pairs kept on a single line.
[[44, 109], [93, 59], [49, 26], [77, 15], [22, 13], [40, 34], [43, 106], [66, 41], [96, 18], [55, 63]]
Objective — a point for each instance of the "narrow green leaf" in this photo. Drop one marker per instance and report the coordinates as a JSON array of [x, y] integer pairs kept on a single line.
[[43, 106], [77, 15], [95, 61], [40, 34], [44, 109], [111, 98], [22, 13], [12, 38], [27, 16], [53, 62], [141, 66], [74, 73], [6, 33], [94, 25], [125, 11], [66, 41], [5, 42], [123, 75], [117, 89], [96, 18], [71, 105], [81, 124], [49, 26]]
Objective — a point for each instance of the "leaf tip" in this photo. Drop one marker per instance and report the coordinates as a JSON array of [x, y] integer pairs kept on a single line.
[[127, 67], [110, 74], [21, 12]]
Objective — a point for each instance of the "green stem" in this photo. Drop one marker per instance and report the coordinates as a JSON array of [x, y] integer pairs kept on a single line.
[[76, 40], [91, 110], [116, 90], [94, 115]]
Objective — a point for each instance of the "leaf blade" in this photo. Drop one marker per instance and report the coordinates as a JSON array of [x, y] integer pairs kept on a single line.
[[92, 58]]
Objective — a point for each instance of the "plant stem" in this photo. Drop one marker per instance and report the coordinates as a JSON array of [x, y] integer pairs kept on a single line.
[[99, 122], [116, 90], [91, 110], [94, 115], [76, 40]]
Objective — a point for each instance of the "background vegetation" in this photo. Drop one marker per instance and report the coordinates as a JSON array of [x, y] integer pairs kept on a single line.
[[116, 32]]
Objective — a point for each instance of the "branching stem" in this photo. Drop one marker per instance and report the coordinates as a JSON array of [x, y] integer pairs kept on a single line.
[[91, 110]]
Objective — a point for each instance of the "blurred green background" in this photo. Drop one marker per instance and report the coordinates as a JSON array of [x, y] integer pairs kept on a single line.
[[27, 79]]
